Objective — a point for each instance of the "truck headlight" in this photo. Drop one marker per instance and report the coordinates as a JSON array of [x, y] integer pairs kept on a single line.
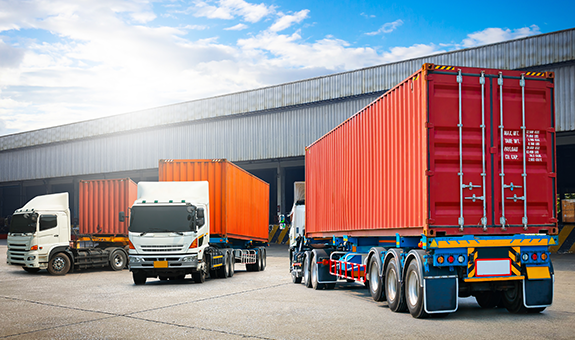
[[189, 258], [136, 259]]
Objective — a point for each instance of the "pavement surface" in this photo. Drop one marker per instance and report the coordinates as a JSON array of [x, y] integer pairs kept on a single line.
[[103, 304]]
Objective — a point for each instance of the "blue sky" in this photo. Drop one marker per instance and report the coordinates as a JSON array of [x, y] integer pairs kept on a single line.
[[63, 61]]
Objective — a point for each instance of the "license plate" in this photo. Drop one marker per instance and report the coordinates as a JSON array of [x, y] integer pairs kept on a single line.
[[160, 264], [493, 267]]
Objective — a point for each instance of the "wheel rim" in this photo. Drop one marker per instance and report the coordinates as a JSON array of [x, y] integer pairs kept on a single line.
[[413, 288], [391, 289], [313, 272], [374, 276], [118, 261], [58, 263]]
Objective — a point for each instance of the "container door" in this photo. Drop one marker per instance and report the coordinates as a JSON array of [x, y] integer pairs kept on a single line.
[[470, 162]]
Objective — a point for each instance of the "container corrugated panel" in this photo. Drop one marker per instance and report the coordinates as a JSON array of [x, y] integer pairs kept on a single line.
[[239, 201], [402, 165], [101, 202]]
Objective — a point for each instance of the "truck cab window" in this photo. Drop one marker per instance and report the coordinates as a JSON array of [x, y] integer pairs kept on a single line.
[[47, 222]]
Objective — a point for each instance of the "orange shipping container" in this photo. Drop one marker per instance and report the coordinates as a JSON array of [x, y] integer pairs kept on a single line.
[[101, 202], [239, 201]]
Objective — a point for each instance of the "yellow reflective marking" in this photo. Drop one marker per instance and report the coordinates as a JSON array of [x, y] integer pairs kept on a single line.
[[218, 257], [538, 273], [490, 243], [486, 279], [563, 234]]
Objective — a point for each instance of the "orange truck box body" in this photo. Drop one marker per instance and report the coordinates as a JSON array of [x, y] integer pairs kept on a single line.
[[239, 201], [101, 202]]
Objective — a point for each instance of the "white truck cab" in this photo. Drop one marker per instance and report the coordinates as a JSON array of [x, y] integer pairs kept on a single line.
[[169, 231], [38, 230]]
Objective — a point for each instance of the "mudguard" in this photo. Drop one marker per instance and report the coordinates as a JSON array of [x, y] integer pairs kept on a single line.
[[538, 293], [323, 275], [440, 289]]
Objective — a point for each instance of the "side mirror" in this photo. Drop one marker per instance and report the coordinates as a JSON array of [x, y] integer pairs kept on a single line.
[[122, 216], [200, 213], [200, 222]]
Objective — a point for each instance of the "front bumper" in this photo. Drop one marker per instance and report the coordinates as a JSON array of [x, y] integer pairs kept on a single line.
[[158, 264], [29, 259]]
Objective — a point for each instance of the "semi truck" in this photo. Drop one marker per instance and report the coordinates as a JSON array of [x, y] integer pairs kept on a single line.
[[443, 187], [41, 235], [202, 218]]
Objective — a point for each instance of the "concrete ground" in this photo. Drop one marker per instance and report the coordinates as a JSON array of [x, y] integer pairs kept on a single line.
[[103, 304]]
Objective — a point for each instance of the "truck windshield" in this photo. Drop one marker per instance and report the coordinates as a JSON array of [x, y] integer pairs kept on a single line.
[[23, 223], [160, 219]]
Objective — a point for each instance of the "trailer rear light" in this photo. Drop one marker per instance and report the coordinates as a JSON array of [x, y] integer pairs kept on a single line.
[[440, 259], [450, 259], [461, 258], [194, 244], [534, 257], [525, 257], [131, 245], [543, 256]]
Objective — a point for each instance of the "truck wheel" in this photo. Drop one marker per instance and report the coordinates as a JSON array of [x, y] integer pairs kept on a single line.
[[59, 264], [306, 271], [118, 260], [314, 275], [414, 291], [199, 276], [375, 281], [513, 298], [232, 261], [139, 277], [258, 264], [394, 288], [488, 299], [263, 259], [224, 269], [31, 270], [294, 277]]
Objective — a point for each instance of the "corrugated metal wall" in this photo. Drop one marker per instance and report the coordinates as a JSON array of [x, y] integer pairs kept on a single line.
[[247, 137], [522, 53]]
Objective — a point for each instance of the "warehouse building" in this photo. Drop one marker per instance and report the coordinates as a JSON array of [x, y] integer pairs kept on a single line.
[[265, 130]]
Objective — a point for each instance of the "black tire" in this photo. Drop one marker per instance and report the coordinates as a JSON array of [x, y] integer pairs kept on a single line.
[[263, 259], [295, 278], [257, 265], [118, 260], [31, 270], [513, 298], [375, 282], [232, 263], [488, 299], [59, 264], [414, 291], [306, 271], [314, 275], [199, 276], [223, 270], [139, 277], [393, 288]]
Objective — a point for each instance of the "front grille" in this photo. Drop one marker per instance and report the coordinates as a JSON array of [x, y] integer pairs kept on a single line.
[[17, 246], [162, 248]]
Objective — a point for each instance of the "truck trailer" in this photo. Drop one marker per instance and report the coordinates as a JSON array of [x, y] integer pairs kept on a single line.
[[443, 187], [41, 235], [202, 218]]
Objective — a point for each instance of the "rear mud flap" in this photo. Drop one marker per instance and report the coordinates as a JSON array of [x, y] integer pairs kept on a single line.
[[440, 294], [538, 293]]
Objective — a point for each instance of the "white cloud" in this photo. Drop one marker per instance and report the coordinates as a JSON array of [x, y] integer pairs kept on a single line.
[[387, 27], [237, 27], [494, 35], [229, 9], [286, 21]]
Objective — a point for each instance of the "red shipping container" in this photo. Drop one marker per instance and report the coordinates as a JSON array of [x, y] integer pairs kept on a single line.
[[408, 164], [239, 201], [101, 202]]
